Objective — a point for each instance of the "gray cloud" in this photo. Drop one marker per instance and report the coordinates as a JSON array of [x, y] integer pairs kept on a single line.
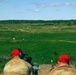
[[73, 5], [3, 1]]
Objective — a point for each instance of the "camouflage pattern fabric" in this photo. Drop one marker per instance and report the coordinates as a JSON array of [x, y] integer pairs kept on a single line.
[[63, 70], [17, 66]]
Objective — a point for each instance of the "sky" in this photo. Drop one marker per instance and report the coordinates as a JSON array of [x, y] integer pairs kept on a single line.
[[37, 9]]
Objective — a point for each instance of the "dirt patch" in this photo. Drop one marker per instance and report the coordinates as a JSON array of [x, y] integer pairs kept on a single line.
[[44, 69]]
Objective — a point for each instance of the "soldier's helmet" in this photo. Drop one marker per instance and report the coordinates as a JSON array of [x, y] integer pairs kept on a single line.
[[17, 52]]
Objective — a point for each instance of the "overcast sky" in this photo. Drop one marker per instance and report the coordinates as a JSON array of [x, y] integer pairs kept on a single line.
[[37, 9]]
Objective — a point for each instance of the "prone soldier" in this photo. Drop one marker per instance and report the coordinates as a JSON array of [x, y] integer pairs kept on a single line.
[[63, 67], [17, 66]]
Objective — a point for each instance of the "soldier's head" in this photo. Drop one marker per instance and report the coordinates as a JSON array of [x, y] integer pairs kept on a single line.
[[64, 58], [17, 52]]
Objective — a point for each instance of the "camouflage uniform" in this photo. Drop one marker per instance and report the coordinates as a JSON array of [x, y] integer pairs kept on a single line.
[[17, 66], [63, 70]]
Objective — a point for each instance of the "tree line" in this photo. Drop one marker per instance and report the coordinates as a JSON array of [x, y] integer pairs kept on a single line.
[[44, 22]]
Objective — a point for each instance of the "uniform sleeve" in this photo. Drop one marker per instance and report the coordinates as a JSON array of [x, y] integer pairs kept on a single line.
[[30, 68]]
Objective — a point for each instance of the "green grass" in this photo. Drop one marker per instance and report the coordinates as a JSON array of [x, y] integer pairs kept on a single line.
[[42, 43]]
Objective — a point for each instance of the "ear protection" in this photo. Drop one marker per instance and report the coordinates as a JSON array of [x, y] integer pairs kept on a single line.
[[21, 54], [18, 52]]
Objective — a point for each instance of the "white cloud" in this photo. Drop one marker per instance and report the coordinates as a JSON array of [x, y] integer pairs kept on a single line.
[[44, 5], [48, 5], [34, 10], [54, 5], [40, 5], [18, 12], [71, 5], [67, 3]]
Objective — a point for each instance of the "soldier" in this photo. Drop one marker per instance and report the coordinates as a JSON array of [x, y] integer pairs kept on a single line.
[[63, 67], [17, 66]]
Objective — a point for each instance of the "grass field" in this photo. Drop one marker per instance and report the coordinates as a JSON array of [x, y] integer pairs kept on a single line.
[[42, 43]]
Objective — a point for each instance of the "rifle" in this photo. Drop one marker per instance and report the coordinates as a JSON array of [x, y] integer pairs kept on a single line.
[[52, 65], [28, 59], [35, 67]]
